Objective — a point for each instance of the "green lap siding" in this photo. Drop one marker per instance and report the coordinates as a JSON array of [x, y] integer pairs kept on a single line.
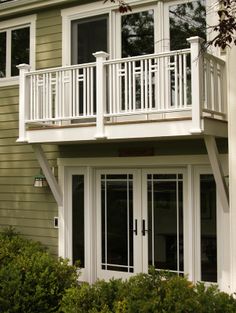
[[28, 209], [49, 39]]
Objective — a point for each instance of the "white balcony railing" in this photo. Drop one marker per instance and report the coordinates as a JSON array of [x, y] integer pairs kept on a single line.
[[176, 81]]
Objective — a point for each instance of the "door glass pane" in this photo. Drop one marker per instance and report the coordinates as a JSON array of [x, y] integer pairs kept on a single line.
[[88, 36], [165, 222], [117, 222], [137, 33], [186, 20], [208, 228], [20, 48], [78, 218], [2, 54]]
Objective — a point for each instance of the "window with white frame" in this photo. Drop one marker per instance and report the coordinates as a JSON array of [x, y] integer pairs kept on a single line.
[[148, 28], [16, 45]]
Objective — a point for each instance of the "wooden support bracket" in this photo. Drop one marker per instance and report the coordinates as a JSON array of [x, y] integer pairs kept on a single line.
[[47, 171], [213, 155]]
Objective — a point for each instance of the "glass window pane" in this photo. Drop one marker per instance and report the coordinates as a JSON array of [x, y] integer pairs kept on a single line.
[[20, 48], [117, 224], [208, 228], [78, 218], [186, 20], [137, 33], [88, 36], [165, 225], [2, 54]]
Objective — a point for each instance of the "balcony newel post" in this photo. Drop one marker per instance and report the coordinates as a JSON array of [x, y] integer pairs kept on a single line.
[[23, 100], [196, 83], [100, 92]]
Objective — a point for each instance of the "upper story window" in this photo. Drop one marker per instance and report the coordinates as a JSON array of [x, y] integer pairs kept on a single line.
[[149, 28], [89, 35], [16, 46], [137, 32], [186, 20]]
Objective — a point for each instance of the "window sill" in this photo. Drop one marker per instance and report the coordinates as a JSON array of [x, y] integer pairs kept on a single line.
[[5, 82]]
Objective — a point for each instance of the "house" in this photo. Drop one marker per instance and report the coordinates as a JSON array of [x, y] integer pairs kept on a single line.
[[129, 119]]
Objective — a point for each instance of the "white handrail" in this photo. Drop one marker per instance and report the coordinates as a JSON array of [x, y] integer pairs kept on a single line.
[[185, 80]]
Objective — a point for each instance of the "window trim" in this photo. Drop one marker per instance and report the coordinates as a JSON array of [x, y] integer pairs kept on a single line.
[[8, 26], [198, 171], [96, 9]]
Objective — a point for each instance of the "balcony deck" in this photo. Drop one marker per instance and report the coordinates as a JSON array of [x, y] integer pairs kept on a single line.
[[171, 94]]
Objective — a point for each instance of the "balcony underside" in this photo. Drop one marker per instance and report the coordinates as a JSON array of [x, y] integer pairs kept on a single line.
[[125, 130]]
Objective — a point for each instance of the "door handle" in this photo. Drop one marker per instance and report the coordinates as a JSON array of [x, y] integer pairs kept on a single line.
[[135, 227], [144, 230]]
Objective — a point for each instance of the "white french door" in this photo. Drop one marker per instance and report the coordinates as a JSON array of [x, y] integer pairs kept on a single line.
[[140, 221]]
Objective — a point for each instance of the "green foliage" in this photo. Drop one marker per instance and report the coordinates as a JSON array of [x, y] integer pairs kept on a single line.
[[186, 20], [31, 280], [155, 292]]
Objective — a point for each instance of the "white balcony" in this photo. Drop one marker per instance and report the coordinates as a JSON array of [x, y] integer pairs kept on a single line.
[[170, 94]]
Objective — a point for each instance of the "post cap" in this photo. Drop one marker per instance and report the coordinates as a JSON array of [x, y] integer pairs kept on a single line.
[[23, 66], [101, 54], [196, 39]]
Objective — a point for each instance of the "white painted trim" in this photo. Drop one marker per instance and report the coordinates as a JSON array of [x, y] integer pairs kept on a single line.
[[136, 9], [65, 233], [8, 26], [11, 81], [152, 161], [223, 242], [213, 155], [103, 274], [163, 170], [18, 22], [43, 162], [190, 230], [191, 165], [223, 252], [22, 6], [96, 9]]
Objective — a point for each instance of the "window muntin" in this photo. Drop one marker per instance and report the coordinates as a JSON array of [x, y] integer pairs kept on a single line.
[[165, 222], [117, 222]]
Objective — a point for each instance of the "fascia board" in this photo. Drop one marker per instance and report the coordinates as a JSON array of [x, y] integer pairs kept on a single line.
[[20, 6]]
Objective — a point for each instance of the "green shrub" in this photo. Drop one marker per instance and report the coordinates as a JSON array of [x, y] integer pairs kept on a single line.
[[147, 293], [31, 280]]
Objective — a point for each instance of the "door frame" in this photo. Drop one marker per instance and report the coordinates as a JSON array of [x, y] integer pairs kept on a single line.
[[137, 240], [163, 170], [190, 163]]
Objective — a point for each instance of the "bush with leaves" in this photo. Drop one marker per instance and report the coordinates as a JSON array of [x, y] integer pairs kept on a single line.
[[147, 293], [31, 280]]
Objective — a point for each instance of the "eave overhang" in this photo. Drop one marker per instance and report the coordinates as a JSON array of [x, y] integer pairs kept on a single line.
[[15, 7]]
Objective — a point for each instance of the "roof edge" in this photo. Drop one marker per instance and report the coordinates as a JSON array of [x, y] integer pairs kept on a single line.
[[19, 6]]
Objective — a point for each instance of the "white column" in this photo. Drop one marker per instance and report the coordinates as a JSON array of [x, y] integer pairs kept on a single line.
[[231, 93], [101, 92], [196, 83], [23, 100]]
